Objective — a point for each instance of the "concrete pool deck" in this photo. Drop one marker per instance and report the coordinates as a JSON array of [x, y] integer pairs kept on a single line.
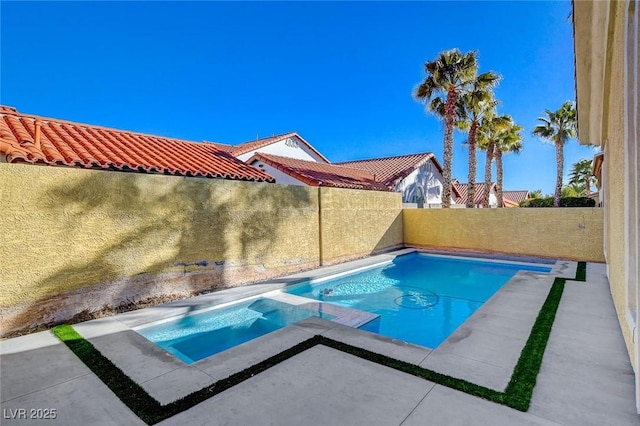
[[586, 377]]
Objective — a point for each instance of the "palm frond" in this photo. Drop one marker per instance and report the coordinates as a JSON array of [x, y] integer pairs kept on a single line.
[[426, 89], [437, 107], [558, 126], [509, 137], [488, 79]]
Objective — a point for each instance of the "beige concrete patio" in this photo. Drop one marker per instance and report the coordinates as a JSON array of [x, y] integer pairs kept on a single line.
[[585, 379]]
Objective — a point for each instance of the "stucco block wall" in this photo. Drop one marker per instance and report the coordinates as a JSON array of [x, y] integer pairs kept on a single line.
[[357, 223], [571, 233], [80, 239]]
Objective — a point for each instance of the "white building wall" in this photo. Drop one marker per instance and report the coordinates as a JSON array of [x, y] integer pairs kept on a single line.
[[280, 177], [291, 147], [493, 199], [425, 182]]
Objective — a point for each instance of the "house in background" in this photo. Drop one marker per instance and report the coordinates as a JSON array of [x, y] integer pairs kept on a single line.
[[290, 145], [509, 198], [26, 138], [293, 161], [478, 201], [418, 177], [293, 171], [596, 169], [514, 198], [286, 158]]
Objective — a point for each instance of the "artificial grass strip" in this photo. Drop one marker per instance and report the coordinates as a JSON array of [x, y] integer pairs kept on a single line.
[[207, 392], [581, 271], [524, 376], [137, 399], [129, 392], [517, 395], [414, 370]]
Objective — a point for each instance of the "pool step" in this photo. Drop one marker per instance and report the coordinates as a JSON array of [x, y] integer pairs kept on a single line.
[[345, 316]]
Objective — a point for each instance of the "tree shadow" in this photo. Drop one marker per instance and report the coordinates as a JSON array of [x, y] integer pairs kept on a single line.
[[148, 236]]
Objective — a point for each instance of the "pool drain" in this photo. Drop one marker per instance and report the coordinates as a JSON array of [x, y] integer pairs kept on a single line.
[[417, 300]]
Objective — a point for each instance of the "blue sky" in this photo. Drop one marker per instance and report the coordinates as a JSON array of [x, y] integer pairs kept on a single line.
[[339, 73]]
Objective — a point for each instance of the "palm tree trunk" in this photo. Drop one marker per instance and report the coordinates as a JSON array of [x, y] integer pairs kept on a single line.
[[472, 164], [449, 118], [487, 175], [499, 176], [559, 168]]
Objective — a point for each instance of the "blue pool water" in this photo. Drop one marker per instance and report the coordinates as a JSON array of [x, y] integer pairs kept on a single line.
[[198, 336], [421, 299]]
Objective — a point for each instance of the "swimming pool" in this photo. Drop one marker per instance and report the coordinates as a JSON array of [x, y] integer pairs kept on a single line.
[[194, 337], [420, 298], [417, 298]]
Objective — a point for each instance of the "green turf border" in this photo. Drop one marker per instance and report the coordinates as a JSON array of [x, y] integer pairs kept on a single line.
[[581, 271], [517, 394]]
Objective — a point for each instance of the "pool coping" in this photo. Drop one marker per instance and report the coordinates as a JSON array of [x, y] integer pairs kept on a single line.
[[166, 378]]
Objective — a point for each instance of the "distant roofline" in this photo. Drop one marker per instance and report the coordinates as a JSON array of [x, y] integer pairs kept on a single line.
[[271, 160], [428, 155], [245, 147], [387, 158]]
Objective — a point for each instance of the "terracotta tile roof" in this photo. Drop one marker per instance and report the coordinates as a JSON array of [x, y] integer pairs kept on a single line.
[[391, 170], [515, 196], [463, 190], [321, 174], [221, 146], [245, 147], [508, 203], [34, 139], [596, 167]]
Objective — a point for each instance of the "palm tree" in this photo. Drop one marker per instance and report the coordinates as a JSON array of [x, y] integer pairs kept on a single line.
[[536, 194], [573, 190], [582, 174], [509, 140], [488, 132], [556, 128], [474, 104], [449, 73]]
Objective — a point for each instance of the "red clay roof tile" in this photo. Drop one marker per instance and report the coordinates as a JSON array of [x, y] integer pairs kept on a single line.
[[391, 170], [515, 196], [321, 174], [65, 143], [510, 198], [509, 203], [463, 190]]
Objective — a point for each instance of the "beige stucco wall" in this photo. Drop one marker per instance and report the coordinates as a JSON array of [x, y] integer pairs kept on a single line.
[[571, 233], [614, 159], [77, 239], [357, 223]]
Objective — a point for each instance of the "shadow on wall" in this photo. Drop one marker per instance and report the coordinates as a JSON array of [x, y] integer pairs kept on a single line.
[[119, 238], [355, 224], [392, 238], [425, 189]]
